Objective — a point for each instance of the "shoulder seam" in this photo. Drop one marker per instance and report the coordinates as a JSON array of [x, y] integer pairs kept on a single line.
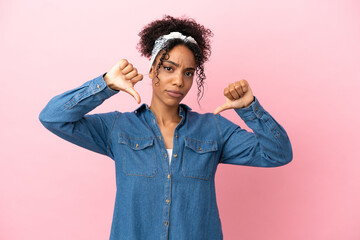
[[221, 138], [109, 139]]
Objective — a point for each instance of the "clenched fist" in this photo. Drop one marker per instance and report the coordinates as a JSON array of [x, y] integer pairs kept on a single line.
[[123, 76], [238, 95]]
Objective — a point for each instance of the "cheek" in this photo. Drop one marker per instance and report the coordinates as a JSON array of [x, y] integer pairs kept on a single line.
[[192, 81], [189, 84], [156, 83]]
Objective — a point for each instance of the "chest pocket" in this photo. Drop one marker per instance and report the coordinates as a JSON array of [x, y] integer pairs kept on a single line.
[[198, 158], [138, 156]]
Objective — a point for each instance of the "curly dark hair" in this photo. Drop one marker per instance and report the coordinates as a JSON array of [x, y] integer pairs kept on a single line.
[[188, 27]]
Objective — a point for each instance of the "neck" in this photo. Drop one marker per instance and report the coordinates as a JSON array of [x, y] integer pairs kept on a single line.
[[165, 115]]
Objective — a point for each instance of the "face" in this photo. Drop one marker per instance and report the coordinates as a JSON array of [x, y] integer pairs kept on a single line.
[[175, 76]]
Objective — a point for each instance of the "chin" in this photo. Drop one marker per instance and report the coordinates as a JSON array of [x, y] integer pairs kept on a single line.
[[173, 102]]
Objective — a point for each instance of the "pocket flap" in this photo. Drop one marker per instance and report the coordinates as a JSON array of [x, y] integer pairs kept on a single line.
[[136, 143], [201, 146]]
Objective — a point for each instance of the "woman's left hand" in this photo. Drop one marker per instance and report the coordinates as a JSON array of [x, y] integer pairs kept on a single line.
[[238, 95]]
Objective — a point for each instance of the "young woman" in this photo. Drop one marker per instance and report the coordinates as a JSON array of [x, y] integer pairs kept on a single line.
[[165, 154]]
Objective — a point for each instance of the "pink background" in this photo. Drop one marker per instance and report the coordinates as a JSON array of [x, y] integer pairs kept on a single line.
[[301, 59]]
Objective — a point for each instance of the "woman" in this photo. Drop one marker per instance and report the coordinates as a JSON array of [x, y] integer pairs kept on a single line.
[[165, 154]]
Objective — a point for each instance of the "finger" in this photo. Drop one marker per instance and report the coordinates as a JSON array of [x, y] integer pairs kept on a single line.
[[123, 63], [133, 93], [127, 69], [233, 91], [220, 109], [228, 94], [238, 88], [131, 74], [244, 85], [137, 78]]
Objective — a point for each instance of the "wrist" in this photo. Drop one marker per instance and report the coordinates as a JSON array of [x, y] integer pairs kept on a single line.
[[250, 103], [108, 82]]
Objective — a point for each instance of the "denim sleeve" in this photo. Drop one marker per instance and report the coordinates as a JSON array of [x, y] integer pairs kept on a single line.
[[64, 115], [268, 145]]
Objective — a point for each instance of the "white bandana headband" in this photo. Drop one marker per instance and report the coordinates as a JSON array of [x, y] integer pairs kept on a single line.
[[161, 41]]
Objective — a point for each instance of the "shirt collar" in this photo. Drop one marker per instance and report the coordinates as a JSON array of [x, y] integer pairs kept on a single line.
[[145, 106]]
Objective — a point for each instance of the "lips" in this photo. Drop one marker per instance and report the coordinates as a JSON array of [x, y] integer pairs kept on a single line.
[[175, 94]]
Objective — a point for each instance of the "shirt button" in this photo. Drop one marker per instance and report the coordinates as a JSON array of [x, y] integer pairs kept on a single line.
[[137, 145], [97, 85], [176, 135], [200, 148], [175, 155], [166, 223], [165, 155], [167, 200], [160, 137], [169, 176]]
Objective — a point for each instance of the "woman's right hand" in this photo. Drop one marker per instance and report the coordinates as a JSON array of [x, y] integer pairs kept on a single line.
[[123, 76]]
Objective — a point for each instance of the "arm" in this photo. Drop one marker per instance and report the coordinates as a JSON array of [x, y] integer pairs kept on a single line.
[[267, 146], [64, 116]]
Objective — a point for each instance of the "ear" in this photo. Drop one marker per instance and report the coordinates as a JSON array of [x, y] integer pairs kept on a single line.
[[151, 72]]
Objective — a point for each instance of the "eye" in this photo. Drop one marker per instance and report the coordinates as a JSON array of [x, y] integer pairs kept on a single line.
[[190, 74], [167, 68]]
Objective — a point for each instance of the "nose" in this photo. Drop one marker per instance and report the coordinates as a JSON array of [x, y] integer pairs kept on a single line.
[[178, 80]]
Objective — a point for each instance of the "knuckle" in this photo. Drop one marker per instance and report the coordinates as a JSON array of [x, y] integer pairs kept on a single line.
[[123, 61], [137, 78]]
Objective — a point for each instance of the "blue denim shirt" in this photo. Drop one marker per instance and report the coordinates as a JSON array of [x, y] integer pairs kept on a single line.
[[154, 199]]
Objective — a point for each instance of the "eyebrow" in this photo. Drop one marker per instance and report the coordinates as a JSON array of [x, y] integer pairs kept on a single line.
[[189, 68]]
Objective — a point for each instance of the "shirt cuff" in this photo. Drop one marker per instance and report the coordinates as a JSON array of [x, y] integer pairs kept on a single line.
[[255, 110], [99, 85]]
